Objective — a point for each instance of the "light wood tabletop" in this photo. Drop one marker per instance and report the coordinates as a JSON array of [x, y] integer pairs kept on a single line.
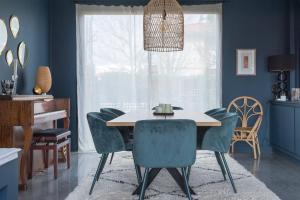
[[129, 119]]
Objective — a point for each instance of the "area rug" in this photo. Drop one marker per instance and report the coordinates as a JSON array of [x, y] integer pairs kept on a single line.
[[118, 181]]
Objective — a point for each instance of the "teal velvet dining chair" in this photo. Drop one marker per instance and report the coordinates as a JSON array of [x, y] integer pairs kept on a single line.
[[125, 131], [106, 140], [218, 140], [112, 111], [216, 111], [164, 144]]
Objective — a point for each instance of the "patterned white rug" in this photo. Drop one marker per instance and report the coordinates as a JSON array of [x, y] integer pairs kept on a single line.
[[118, 181]]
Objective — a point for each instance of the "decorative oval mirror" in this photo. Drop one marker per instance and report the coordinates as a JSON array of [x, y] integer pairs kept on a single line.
[[22, 53], [3, 36], [14, 25], [9, 57]]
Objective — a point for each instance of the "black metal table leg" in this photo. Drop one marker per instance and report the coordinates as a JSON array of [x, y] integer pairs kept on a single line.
[[179, 179], [152, 174], [174, 173]]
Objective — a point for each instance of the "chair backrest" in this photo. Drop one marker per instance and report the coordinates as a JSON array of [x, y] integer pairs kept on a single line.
[[173, 107], [106, 139], [249, 110], [107, 116], [216, 111], [165, 143], [112, 111], [219, 138]]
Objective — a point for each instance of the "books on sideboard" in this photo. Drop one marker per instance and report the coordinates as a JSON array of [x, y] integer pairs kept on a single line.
[[25, 97]]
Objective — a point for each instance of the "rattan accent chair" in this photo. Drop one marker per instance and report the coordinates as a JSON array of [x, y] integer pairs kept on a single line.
[[250, 112]]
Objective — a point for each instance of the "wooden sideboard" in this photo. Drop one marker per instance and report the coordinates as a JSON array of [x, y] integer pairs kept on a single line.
[[20, 115], [285, 127]]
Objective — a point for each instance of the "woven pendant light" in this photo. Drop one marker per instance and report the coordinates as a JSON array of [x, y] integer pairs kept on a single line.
[[163, 26]]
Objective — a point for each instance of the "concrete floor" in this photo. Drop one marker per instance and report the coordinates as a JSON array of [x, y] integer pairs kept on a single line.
[[279, 173]]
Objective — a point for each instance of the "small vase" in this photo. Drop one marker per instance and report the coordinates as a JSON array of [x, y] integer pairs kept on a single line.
[[15, 76]]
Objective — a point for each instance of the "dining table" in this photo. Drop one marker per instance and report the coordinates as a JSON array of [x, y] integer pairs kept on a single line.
[[129, 119]]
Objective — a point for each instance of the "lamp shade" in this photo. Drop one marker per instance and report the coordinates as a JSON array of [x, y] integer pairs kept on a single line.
[[43, 79], [281, 62], [163, 26]]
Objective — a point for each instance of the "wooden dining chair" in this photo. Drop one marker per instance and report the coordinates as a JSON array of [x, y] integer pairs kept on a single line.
[[250, 112]]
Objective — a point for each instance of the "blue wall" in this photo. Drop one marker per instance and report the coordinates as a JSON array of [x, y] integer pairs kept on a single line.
[[260, 24], [34, 30]]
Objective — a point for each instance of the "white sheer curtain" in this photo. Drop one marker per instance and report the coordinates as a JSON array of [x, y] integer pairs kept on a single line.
[[113, 70]]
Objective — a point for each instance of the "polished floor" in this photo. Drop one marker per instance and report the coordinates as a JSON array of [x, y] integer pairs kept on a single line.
[[279, 173]]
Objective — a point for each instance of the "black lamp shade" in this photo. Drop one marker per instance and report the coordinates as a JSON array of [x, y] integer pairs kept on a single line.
[[281, 63]]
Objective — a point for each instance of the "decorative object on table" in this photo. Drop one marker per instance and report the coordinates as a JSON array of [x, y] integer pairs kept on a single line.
[[250, 113], [295, 94], [37, 90], [281, 64], [43, 79], [7, 87], [22, 54], [163, 109], [15, 76], [14, 25], [9, 57], [246, 62], [163, 26], [3, 35]]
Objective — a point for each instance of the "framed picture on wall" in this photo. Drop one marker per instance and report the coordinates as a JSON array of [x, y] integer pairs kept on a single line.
[[246, 62]]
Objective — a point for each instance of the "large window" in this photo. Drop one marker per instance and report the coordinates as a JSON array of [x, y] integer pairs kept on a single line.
[[113, 70]]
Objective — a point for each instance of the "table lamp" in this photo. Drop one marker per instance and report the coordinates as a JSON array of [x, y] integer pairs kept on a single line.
[[281, 64], [43, 80]]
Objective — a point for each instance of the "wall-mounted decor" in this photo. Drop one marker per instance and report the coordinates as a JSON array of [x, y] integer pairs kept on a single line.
[[9, 57], [246, 62], [22, 54], [14, 25], [3, 36]]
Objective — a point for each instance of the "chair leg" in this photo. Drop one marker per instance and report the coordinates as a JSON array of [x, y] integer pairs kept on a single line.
[[228, 172], [98, 172], [111, 158], [232, 148], [55, 160], [145, 179], [186, 184], [254, 149], [258, 147], [68, 156], [46, 158], [138, 173], [221, 164], [188, 173], [30, 171], [104, 159]]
